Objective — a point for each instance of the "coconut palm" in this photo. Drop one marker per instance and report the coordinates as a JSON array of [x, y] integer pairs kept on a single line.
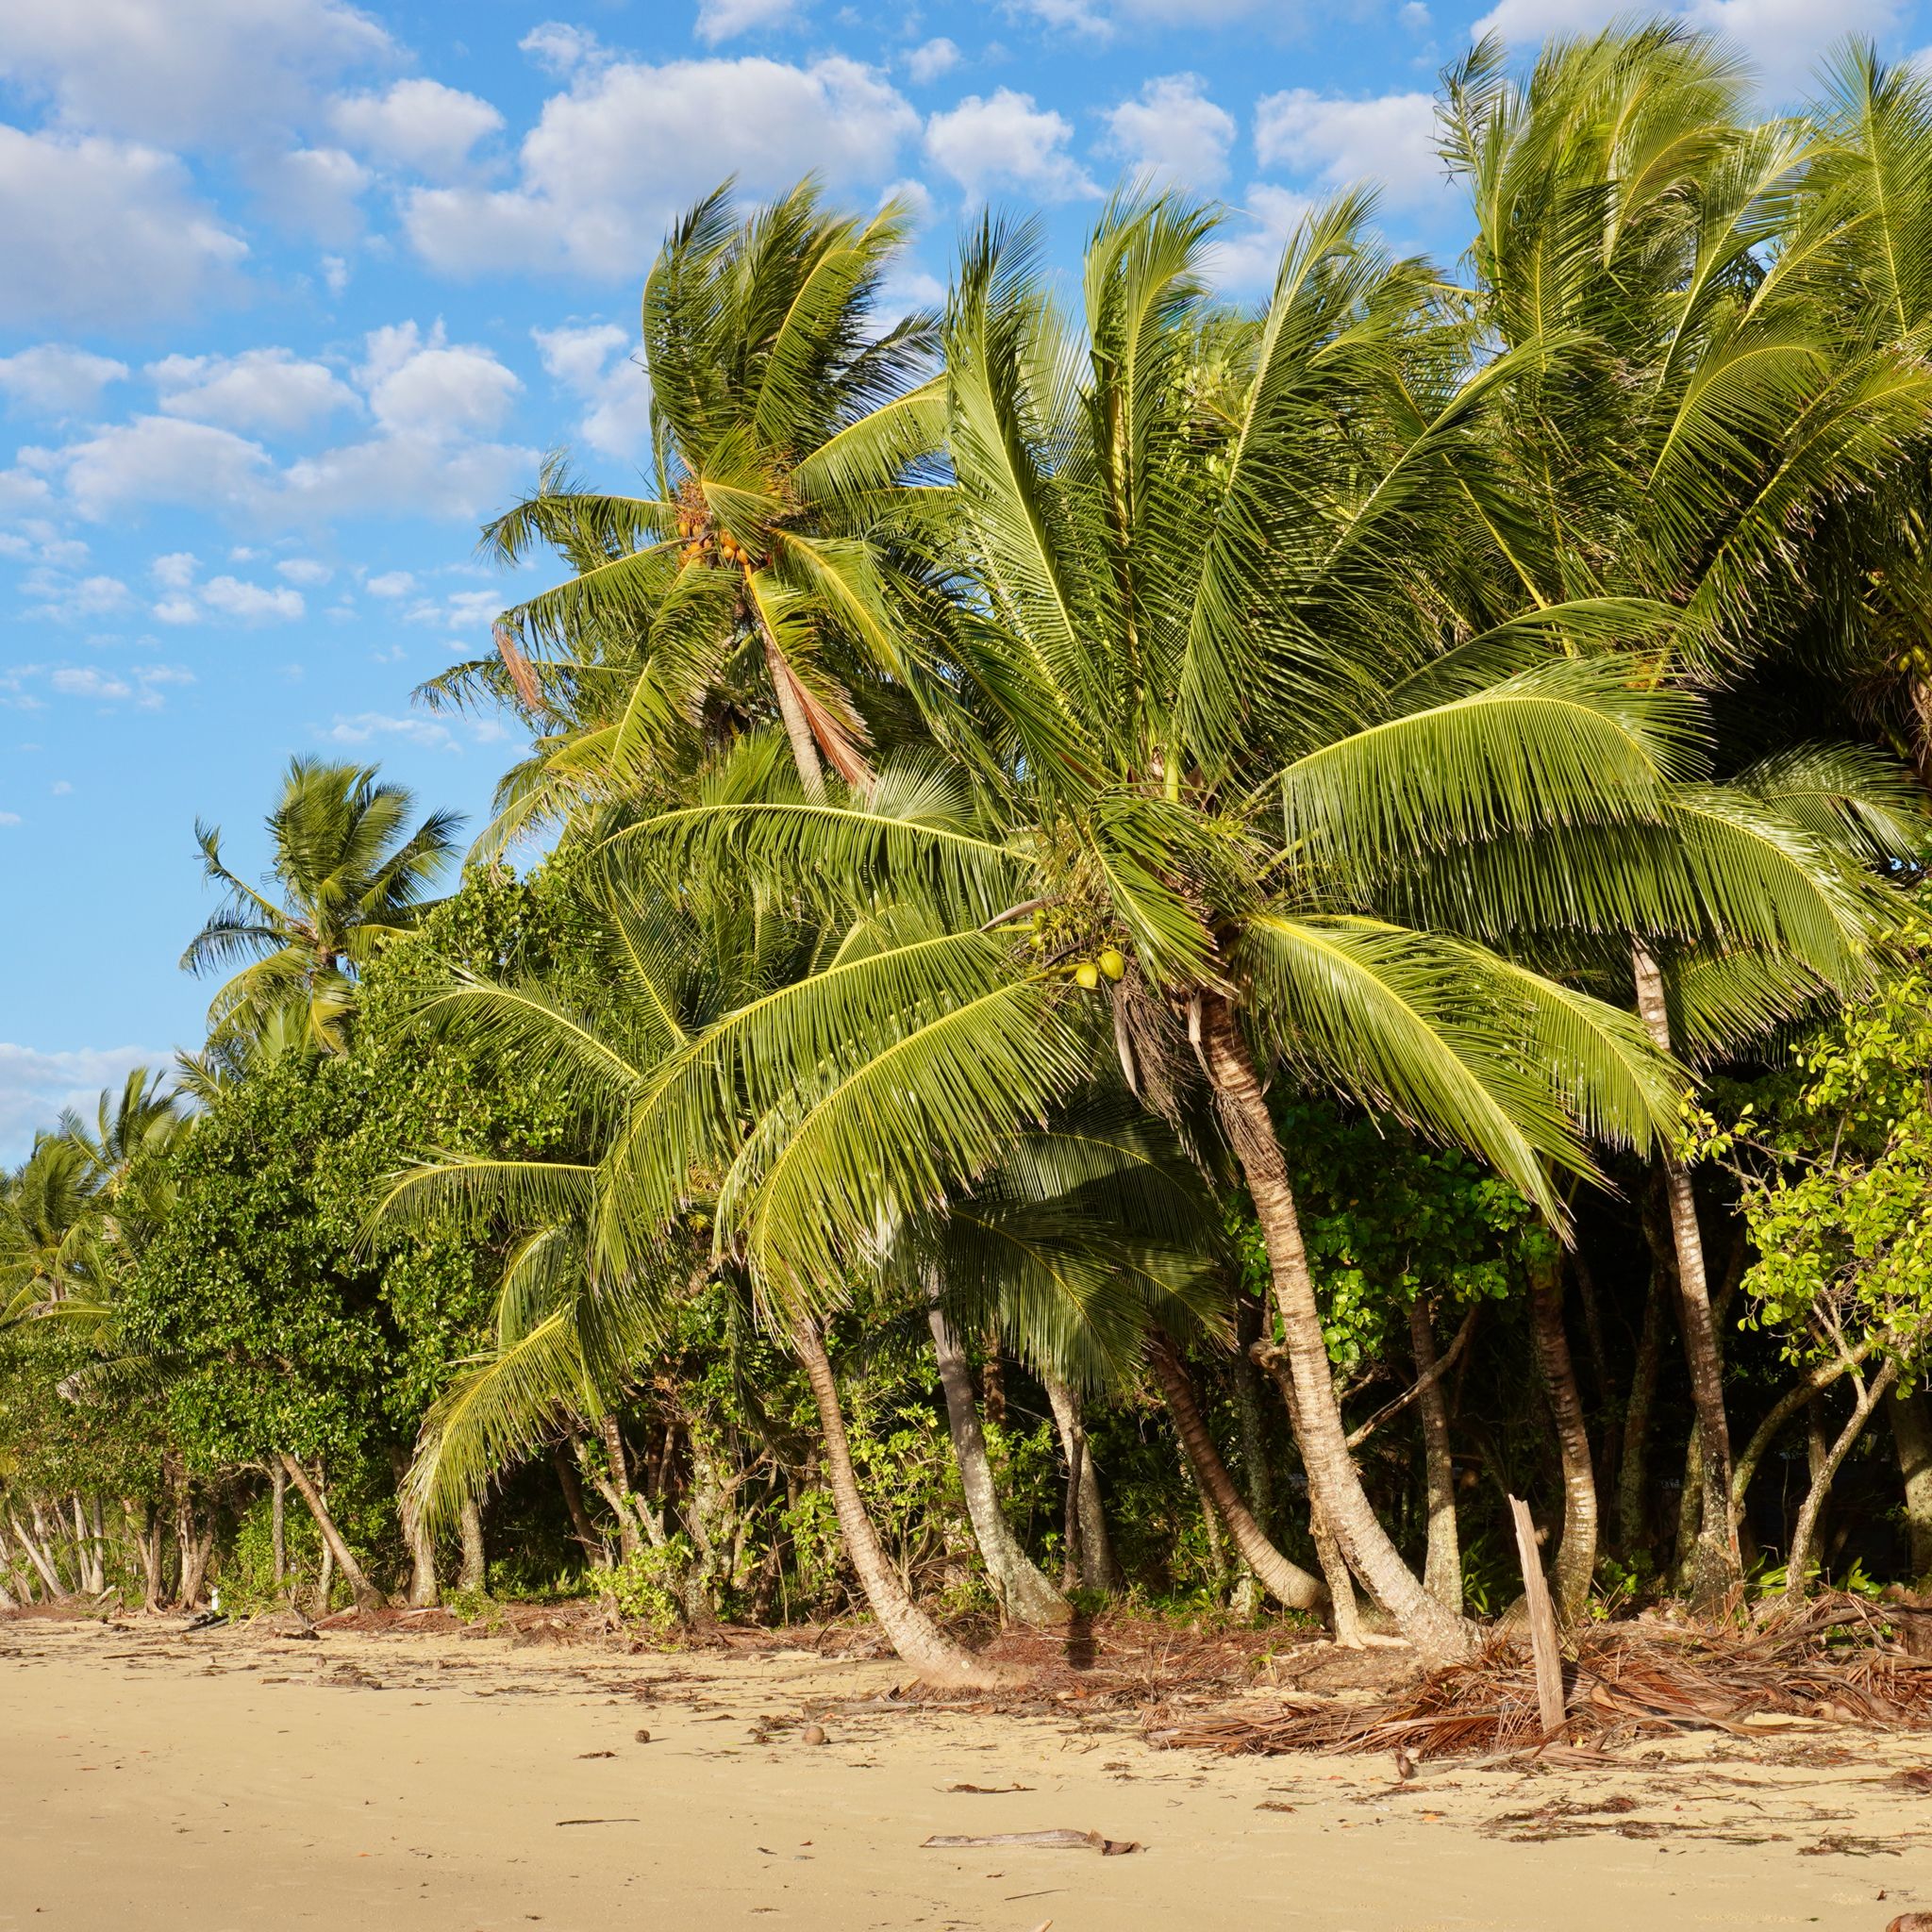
[[771, 567], [352, 874], [1698, 401]]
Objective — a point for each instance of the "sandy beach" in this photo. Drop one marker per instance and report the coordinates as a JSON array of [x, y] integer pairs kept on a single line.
[[226, 1781]]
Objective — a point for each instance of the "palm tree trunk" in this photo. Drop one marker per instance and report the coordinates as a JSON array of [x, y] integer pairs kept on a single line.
[[1289, 1584], [1015, 1577], [475, 1574], [1719, 1565], [593, 1546], [42, 1561], [805, 750], [1098, 1568], [615, 1488], [1911, 1434], [416, 1537], [1576, 1554], [278, 1519], [1334, 1482], [1344, 1613], [1804, 1538], [365, 1593], [912, 1633], [1442, 1564]]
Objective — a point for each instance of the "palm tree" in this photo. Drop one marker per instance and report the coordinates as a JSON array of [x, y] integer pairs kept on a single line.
[[1696, 398], [1255, 771], [788, 440], [352, 875]]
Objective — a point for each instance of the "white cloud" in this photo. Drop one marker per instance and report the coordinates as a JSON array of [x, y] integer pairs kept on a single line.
[[1173, 132], [415, 475], [175, 570], [1246, 255], [267, 390], [370, 727], [64, 601], [562, 49], [1096, 17], [926, 63], [419, 124], [35, 1085], [594, 363], [185, 73], [86, 223], [419, 385], [392, 583], [1391, 139], [55, 379], [85, 681], [610, 162], [314, 191], [1069, 16], [1414, 16], [722, 20], [1006, 142], [19, 489], [10, 818], [334, 273], [251, 602], [303, 569], [162, 459]]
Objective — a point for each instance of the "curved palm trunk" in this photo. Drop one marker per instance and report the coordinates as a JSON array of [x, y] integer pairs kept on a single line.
[[913, 1634], [1804, 1538], [1287, 1582], [424, 1593], [1576, 1554], [1718, 1562], [1098, 1568], [1443, 1565], [475, 1573], [1344, 1613], [1334, 1482], [805, 750], [365, 1593], [1016, 1579]]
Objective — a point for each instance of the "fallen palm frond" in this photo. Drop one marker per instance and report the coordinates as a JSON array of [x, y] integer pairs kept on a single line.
[[1837, 1659]]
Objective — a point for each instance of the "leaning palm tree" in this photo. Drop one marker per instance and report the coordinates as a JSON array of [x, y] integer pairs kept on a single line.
[[1263, 803], [351, 873], [770, 569]]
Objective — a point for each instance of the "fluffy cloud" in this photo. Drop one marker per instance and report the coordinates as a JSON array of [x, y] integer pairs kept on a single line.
[[188, 602], [67, 600], [562, 49], [185, 73], [420, 124], [927, 62], [85, 222], [313, 191], [271, 389], [721, 20], [1783, 39], [161, 459], [1391, 139], [420, 386], [392, 583], [1173, 132], [372, 727], [35, 1085], [609, 163], [593, 363], [54, 380], [303, 569], [1006, 142], [408, 476], [1244, 256]]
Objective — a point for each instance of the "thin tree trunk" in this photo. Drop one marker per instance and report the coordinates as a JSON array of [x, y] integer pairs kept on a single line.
[[1804, 1538], [365, 1593], [595, 1546], [278, 1519], [42, 1560], [1335, 1484], [475, 1574], [1911, 1434], [417, 1540], [22, 1582], [1286, 1581], [615, 1488], [1633, 1477], [1443, 1565], [1023, 1591], [1819, 1376], [1576, 1554], [1689, 1511], [1719, 1563], [144, 1533], [1098, 1569], [1248, 1406], [805, 749], [1344, 1613], [916, 1637]]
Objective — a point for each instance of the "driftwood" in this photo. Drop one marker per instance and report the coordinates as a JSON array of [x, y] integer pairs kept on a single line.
[[1063, 1839], [1836, 1658], [1545, 1645]]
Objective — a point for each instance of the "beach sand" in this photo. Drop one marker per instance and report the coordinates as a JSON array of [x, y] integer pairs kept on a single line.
[[227, 1781]]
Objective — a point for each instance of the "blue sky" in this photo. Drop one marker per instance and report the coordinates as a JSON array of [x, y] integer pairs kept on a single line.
[[294, 293]]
